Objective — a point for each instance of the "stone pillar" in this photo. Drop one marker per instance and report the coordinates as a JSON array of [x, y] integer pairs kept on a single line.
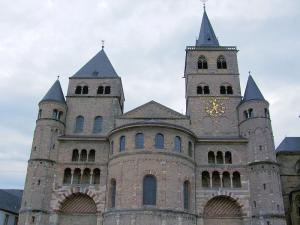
[[231, 185], [72, 173], [91, 177], [210, 180], [221, 178], [99, 219]]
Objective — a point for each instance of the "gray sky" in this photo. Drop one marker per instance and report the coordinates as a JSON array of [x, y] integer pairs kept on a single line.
[[145, 41]]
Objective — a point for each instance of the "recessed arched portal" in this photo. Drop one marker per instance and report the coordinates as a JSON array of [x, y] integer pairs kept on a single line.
[[78, 209], [222, 210]]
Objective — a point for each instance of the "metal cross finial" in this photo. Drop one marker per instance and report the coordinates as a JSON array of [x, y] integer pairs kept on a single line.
[[204, 3], [103, 44], [58, 77], [249, 72]]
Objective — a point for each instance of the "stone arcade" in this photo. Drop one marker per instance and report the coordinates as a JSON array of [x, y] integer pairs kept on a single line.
[[93, 164]]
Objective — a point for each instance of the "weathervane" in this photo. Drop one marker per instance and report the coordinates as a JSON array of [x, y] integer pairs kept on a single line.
[[204, 3], [249, 72], [58, 77], [102, 44]]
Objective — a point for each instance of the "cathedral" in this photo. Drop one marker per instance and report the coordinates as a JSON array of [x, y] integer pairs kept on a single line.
[[91, 163]]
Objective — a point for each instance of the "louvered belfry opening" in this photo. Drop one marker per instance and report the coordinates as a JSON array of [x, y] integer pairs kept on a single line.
[[222, 207]]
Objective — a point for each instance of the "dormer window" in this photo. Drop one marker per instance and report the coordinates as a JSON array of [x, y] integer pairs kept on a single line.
[[202, 62], [221, 63]]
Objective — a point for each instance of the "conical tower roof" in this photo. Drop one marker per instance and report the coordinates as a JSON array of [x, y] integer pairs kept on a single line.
[[55, 94], [207, 35], [98, 67], [252, 91]]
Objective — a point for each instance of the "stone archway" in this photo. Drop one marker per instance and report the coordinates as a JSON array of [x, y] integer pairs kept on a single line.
[[78, 209], [222, 210]]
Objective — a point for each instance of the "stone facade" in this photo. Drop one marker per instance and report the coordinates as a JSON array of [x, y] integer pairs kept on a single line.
[[92, 164]]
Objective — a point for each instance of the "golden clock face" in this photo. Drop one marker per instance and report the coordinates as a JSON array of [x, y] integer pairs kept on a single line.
[[215, 107]]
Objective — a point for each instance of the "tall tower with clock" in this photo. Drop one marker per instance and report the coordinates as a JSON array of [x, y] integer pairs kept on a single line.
[[212, 85]]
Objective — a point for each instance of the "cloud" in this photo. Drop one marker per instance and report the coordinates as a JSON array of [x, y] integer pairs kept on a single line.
[[145, 41]]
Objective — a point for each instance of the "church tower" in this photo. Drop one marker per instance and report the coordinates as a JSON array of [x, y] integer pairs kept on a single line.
[[212, 85], [42, 163], [97, 86], [265, 186]]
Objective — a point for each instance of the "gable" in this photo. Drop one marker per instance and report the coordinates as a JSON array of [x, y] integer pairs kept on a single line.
[[153, 110]]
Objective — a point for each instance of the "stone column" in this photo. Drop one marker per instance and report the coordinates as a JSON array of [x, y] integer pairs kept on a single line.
[[221, 179], [231, 185], [72, 173], [210, 180], [91, 177]]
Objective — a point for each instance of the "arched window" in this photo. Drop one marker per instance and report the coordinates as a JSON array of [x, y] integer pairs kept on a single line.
[[221, 63], [211, 158], [85, 90], [246, 116], [60, 115], [199, 90], [91, 157], [149, 190], [100, 90], [177, 146], [236, 180], [40, 114], [86, 176], [220, 158], [78, 90], [205, 179], [67, 176], [159, 141], [226, 180], [107, 90], [75, 155], [250, 113], [113, 190], [229, 90], [202, 62], [79, 124], [206, 90], [216, 180], [77, 176], [54, 114], [96, 176], [228, 159], [139, 141], [122, 143], [83, 155], [222, 90], [267, 113], [186, 195], [97, 125], [190, 149]]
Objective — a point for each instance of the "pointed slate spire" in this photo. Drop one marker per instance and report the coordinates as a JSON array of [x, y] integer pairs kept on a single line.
[[252, 92], [99, 66], [207, 35], [55, 94]]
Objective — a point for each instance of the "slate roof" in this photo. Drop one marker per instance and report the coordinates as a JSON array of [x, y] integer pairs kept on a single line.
[[98, 67], [207, 35], [10, 200], [55, 93], [289, 144], [252, 91]]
